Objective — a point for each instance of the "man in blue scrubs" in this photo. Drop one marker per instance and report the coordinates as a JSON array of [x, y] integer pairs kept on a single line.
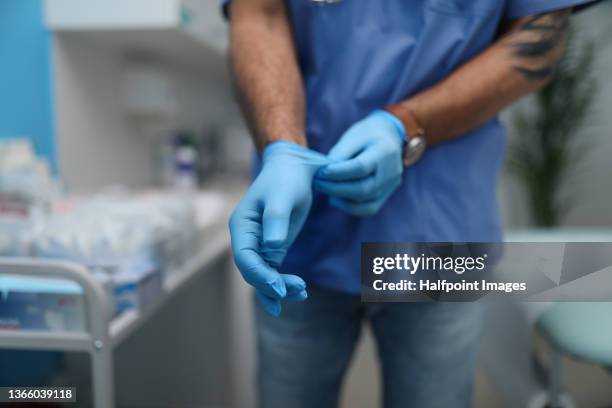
[[377, 121]]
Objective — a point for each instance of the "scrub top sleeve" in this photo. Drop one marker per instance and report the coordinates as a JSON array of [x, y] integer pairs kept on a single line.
[[522, 8]]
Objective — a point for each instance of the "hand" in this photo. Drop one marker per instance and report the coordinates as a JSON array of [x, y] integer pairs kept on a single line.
[[366, 165], [268, 219]]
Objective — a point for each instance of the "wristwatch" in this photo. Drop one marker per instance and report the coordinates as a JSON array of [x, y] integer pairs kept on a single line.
[[415, 144], [415, 140]]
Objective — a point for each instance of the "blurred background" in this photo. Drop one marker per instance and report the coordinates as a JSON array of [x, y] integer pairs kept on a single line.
[[122, 153]]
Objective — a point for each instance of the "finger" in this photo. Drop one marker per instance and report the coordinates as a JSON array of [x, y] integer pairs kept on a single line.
[[351, 169], [273, 257], [245, 230], [259, 274], [275, 223], [293, 283], [299, 297], [271, 306], [359, 190], [360, 209], [359, 167]]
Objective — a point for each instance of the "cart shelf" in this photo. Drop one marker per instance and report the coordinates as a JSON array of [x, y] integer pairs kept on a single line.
[[104, 333]]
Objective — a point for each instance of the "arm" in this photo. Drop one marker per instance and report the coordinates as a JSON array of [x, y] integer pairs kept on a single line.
[[270, 215], [366, 164], [265, 69], [519, 62]]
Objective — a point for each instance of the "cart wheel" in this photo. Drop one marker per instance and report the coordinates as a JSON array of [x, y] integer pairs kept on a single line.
[[542, 400]]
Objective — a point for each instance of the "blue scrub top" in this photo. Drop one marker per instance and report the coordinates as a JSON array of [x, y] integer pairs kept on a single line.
[[359, 55]]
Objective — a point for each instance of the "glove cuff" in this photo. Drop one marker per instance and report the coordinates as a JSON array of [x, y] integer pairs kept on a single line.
[[394, 121], [283, 147]]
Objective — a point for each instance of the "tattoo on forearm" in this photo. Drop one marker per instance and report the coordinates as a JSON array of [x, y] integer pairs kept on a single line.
[[536, 44]]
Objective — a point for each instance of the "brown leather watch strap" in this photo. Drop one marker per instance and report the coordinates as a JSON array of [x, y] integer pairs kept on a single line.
[[415, 135], [409, 120]]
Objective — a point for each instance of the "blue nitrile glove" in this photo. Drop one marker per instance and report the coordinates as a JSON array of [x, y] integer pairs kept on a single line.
[[366, 165], [269, 217]]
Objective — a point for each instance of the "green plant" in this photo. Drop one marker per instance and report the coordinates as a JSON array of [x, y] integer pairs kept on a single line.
[[547, 143]]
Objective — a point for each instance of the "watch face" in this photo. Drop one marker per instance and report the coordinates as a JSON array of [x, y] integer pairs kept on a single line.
[[414, 149]]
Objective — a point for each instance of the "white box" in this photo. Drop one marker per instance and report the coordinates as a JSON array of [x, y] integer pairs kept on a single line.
[[33, 303]]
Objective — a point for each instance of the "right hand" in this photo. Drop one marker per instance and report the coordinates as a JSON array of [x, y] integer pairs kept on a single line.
[[268, 219]]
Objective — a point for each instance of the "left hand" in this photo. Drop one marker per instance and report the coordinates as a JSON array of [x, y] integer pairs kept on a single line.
[[366, 165]]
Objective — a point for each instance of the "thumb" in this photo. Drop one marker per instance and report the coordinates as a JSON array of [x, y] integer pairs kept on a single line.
[[275, 220]]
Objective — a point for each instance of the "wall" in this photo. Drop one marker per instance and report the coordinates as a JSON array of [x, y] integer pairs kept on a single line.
[[25, 73]]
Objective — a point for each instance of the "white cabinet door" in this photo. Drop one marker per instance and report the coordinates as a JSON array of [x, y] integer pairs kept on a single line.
[[111, 14]]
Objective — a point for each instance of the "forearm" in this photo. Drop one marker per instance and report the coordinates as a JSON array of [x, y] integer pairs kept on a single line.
[[265, 70], [520, 62]]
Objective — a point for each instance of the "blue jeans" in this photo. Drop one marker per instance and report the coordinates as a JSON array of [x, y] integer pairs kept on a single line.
[[427, 351]]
